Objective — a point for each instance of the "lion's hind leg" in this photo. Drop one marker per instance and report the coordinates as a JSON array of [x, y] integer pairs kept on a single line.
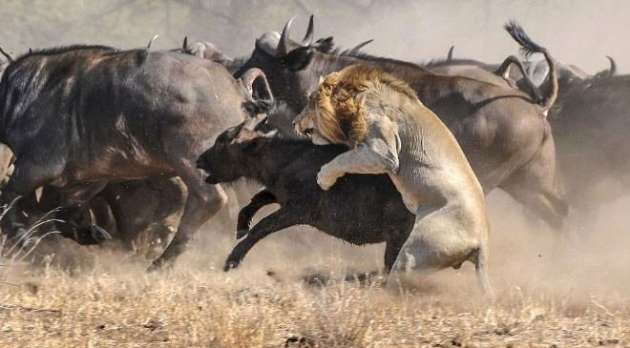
[[440, 239]]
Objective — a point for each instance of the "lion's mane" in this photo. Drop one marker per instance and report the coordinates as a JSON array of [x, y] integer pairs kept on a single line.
[[341, 115]]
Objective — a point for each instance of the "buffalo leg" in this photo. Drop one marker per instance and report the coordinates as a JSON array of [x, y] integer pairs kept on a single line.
[[124, 222], [274, 222], [26, 178], [203, 202], [424, 250], [392, 248], [74, 217], [246, 214], [534, 186], [103, 215], [546, 205], [75, 213]]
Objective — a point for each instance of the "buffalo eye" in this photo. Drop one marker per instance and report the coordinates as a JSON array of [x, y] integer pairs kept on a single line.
[[298, 59]]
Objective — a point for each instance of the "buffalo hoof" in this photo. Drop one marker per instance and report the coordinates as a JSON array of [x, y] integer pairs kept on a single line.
[[230, 265], [161, 263], [92, 235], [99, 233], [154, 267]]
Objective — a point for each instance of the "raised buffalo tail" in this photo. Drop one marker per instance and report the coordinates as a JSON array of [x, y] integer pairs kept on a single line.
[[528, 48]]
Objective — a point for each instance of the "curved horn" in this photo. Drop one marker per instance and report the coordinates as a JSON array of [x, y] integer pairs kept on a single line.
[[252, 75], [613, 66], [283, 45], [449, 55], [151, 41], [185, 44], [9, 58], [308, 37], [358, 47]]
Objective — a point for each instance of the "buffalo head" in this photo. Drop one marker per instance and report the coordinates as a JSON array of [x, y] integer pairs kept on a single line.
[[285, 61], [233, 152]]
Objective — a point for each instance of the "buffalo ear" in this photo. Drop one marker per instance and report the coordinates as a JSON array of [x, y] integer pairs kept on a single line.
[[258, 106], [298, 59]]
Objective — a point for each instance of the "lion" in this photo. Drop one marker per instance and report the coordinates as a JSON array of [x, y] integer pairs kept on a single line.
[[388, 130]]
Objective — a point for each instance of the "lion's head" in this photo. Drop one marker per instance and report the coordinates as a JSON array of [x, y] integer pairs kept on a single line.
[[336, 112]]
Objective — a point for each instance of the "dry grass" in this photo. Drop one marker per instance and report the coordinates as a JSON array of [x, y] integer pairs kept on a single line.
[[209, 309], [577, 299]]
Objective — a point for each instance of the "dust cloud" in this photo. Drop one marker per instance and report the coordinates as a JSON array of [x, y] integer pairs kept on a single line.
[[522, 252]]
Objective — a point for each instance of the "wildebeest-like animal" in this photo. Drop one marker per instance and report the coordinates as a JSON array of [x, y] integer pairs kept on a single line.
[[590, 122], [122, 209], [499, 74], [503, 131], [79, 117], [288, 170]]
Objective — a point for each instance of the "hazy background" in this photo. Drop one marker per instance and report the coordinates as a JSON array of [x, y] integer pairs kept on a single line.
[[576, 31]]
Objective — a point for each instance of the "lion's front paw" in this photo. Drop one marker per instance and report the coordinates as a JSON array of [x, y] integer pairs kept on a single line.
[[325, 181]]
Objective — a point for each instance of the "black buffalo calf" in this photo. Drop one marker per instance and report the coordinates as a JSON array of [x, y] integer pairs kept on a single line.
[[359, 209]]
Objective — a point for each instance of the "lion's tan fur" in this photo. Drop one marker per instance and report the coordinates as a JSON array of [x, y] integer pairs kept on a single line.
[[340, 109], [400, 137]]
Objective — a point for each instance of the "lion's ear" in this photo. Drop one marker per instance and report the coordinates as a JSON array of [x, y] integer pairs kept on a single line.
[[321, 80]]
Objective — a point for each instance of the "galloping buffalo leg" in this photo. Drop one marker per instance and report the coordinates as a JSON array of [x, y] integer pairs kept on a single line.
[[77, 221], [27, 177], [534, 186], [246, 214], [203, 202], [123, 221], [392, 248], [274, 222], [545, 204], [103, 215]]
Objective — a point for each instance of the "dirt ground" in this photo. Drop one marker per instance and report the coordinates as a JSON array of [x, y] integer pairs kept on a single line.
[[574, 296]]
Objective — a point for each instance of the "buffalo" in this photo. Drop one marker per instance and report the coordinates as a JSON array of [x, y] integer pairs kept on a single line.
[[503, 131], [288, 170], [80, 117], [589, 123]]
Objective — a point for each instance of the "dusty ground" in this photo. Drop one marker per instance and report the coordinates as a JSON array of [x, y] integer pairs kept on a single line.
[[570, 298]]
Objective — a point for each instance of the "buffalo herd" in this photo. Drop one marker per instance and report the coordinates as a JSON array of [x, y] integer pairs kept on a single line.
[[109, 142]]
